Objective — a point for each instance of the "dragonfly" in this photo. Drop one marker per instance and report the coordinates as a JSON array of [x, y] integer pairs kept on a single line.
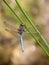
[[12, 29]]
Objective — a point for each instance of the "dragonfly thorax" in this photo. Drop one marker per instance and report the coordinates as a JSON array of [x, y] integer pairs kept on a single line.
[[21, 29]]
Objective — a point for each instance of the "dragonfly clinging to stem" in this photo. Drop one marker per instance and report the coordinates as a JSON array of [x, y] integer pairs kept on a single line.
[[31, 23], [12, 29]]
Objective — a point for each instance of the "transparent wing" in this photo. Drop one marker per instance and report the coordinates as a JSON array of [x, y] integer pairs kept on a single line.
[[10, 28]]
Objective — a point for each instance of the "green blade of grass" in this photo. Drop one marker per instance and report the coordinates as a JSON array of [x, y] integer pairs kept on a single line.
[[26, 28], [32, 24]]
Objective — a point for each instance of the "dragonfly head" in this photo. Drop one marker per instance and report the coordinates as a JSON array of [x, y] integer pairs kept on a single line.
[[21, 25]]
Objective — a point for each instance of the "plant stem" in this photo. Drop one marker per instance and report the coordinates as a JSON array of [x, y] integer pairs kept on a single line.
[[32, 24]]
